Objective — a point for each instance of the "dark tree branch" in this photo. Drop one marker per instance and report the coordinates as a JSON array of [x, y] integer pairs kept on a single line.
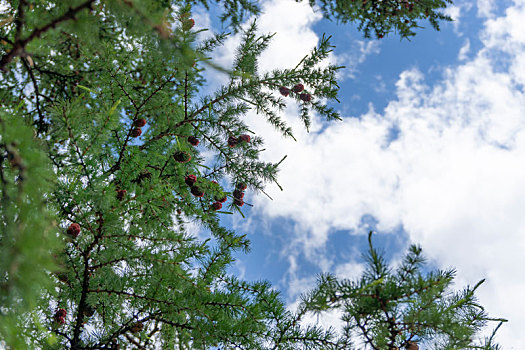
[[364, 331], [85, 284], [40, 122], [19, 21], [20, 44]]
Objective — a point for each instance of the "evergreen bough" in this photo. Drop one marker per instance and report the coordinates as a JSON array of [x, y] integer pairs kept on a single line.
[[397, 307]]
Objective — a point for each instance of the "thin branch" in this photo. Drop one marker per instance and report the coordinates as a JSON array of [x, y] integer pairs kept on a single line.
[[125, 92], [77, 148], [40, 122], [186, 96], [116, 166], [85, 284], [365, 334], [137, 296]]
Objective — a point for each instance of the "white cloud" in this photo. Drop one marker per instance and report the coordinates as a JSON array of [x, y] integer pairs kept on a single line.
[[349, 270], [202, 21], [453, 178], [356, 54], [294, 36], [464, 51], [454, 11], [486, 8], [295, 285], [380, 85]]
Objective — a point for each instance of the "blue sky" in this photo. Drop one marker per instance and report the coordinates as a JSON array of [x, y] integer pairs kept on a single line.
[[431, 151]]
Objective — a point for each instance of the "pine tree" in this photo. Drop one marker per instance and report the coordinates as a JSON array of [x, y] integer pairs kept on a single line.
[[109, 149], [400, 307]]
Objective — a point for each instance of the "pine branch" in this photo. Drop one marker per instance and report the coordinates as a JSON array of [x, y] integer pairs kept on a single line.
[[40, 122], [82, 304]]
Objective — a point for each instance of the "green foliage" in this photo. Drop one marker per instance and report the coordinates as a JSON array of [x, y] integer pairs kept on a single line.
[[379, 18], [27, 229], [394, 307], [376, 18], [132, 272], [106, 130]]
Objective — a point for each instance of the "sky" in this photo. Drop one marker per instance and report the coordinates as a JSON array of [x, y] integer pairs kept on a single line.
[[431, 150]]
